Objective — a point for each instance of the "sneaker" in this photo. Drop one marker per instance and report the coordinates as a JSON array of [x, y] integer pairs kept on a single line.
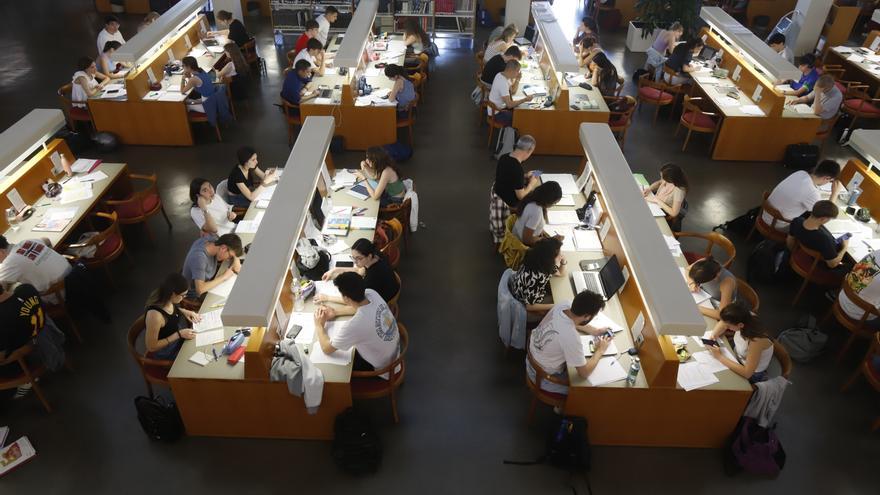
[[557, 410], [23, 390]]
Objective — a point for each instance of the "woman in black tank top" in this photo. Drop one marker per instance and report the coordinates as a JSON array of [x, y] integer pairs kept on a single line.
[[164, 319]]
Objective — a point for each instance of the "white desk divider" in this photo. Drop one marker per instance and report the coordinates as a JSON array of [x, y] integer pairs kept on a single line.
[[357, 34], [25, 136], [866, 142], [260, 282], [143, 43], [558, 46], [670, 305]]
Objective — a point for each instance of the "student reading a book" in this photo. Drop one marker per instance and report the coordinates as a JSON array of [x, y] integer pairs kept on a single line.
[[209, 211], [529, 284], [31, 262], [707, 274], [381, 177], [529, 227], [202, 261], [372, 330], [752, 345], [810, 74], [167, 323], [242, 178], [669, 194], [370, 264]]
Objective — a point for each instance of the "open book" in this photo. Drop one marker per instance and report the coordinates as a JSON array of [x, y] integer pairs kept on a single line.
[[16, 454]]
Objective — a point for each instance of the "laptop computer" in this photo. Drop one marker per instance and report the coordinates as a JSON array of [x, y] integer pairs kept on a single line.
[[210, 42], [707, 53], [605, 282], [325, 93]]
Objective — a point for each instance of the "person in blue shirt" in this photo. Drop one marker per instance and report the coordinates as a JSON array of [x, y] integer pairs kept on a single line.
[[807, 65], [402, 92], [295, 87]]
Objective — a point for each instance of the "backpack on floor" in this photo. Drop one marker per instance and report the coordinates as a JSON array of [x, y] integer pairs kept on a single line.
[[765, 262], [159, 419], [754, 449], [399, 152], [742, 224], [356, 447], [506, 139], [803, 344], [567, 446], [801, 156]]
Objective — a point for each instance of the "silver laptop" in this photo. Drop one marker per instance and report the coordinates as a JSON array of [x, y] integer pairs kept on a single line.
[[605, 282]]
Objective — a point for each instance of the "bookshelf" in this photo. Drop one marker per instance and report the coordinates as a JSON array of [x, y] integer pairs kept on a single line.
[[290, 16], [443, 18]]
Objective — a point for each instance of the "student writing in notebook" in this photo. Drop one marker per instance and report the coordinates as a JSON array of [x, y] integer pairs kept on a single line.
[[669, 194], [200, 267], [708, 275], [168, 325], [541, 262], [529, 226], [381, 177]]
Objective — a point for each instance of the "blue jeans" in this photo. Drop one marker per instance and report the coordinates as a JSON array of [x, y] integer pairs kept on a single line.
[[548, 386], [504, 117], [760, 376], [239, 200]]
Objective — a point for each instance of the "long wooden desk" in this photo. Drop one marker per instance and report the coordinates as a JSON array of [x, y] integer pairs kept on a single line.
[[744, 136], [240, 400], [28, 182], [865, 235], [859, 64]]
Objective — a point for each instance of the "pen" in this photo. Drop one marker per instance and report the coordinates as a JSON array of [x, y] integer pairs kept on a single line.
[[214, 352]]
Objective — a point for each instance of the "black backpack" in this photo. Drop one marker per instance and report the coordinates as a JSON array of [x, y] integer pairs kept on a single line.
[[356, 447], [742, 224], [159, 419], [568, 446], [766, 262]]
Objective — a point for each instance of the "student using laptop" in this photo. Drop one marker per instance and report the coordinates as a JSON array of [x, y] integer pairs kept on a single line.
[[496, 64], [242, 178], [529, 227], [604, 75], [314, 55], [604, 277], [529, 284], [324, 21], [381, 177], [707, 274], [232, 28], [556, 344], [504, 86]]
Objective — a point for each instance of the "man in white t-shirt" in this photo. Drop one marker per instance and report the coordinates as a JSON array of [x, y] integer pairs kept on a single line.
[[556, 343], [372, 330], [799, 192], [313, 54], [324, 21], [863, 279], [109, 33], [31, 262], [504, 86]]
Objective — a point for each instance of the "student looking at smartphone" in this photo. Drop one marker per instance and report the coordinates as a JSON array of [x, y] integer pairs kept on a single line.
[[753, 348]]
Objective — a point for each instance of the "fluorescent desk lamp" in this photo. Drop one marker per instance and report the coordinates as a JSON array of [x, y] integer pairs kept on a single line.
[[355, 40], [558, 47], [20, 140], [146, 42]]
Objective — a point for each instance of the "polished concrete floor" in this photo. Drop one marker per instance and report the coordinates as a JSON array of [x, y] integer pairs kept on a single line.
[[463, 408]]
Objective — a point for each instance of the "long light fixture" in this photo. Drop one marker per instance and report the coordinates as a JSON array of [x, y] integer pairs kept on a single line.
[[866, 142], [20, 140], [750, 46], [352, 48], [557, 45], [146, 42], [259, 284]]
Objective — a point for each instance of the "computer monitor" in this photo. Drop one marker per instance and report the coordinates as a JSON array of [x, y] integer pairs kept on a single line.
[[315, 209], [612, 277], [530, 33]]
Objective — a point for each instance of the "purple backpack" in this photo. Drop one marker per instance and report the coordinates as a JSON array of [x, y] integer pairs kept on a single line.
[[757, 450]]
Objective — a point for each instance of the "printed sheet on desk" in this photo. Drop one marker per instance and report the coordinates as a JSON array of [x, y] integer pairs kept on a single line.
[[607, 370], [693, 375]]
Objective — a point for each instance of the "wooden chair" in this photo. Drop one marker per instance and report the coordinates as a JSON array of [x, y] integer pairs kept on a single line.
[[621, 81], [781, 355], [859, 104], [712, 239], [28, 375], [805, 262], [599, 9], [538, 394], [293, 117], [154, 371], [668, 75], [418, 81], [141, 205], [401, 213], [249, 50], [484, 98], [746, 292], [695, 119], [493, 123], [407, 118], [769, 231], [370, 384], [619, 121], [56, 307], [73, 114], [869, 371], [654, 93], [826, 128], [391, 249], [202, 118], [856, 328], [393, 303], [108, 244], [479, 56]]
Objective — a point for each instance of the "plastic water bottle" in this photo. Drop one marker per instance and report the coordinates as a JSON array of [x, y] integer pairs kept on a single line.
[[854, 196], [12, 218], [279, 38], [589, 217], [296, 289], [634, 369]]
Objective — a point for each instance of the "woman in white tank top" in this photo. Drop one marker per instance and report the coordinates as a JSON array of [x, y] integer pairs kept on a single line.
[[84, 83], [753, 348]]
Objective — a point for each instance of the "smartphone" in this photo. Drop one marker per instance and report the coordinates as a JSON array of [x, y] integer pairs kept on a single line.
[[344, 264], [294, 331], [609, 334], [537, 173], [845, 236], [711, 342]]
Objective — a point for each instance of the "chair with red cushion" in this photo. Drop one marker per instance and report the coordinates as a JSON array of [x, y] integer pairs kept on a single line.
[[154, 371], [620, 118], [394, 302], [858, 104], [857, 328], [74, 114], [538, 393], [108, 244], [371, 385], [810, 266], [141, 205], [655, 93], [29, 373], [869, 371], [770, 230], [695, 119], [202, 118], [712, 239]]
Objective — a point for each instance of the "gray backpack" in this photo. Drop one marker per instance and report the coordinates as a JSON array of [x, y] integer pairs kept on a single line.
[[803, 344]]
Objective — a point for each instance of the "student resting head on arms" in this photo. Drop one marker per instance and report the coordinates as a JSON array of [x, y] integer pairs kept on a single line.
[[381, 177], [589, 48], [370, 264], [751, 344], [243, 176], [800, 191], [529, 227], [372, 330], [402, 91], [211, 214], [586, 29], [201, 262], [168, 325], [529, 284], [707, 274], [809, 230], [556, 344]]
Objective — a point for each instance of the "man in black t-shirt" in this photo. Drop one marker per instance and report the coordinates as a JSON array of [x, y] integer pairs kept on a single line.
[[680, 60], [809, 229], [511, 184], [497, 63], [21, 318]]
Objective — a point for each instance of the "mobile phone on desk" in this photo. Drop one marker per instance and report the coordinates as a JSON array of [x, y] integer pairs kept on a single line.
[[713, 343], [344, 264]]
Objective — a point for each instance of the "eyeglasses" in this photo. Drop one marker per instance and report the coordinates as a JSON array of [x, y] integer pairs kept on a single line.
[[358, 258]]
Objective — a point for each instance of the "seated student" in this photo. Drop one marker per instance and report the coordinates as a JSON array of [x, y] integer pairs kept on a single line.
[[529, 227], [21, 319], [809, 229], [589, 48], [105, 63], [680, 61], [370, 264], [402, 92], [241, 179], [414, 37], [804, 85], [497, 64], [236, 72], [512, 184], [669, 194], [381, 177], [777, 43], [717, 281], [500, 45], [863, 280], [311, 31], [503, 87], [556, 343], [209, 211], [109, 33], [31, 262], [585, 30], [232, 28], [202, 260], [496, 33], [197, 82], [753, 347], [167, 323], [663, 45], [313, 54], [825, 99], [324, 21], [372, 331], [529, 284], [86, 82], [798, 192], [295, 88], [604, 75]]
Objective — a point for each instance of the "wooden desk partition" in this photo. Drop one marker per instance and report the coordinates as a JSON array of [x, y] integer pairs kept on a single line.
[[137, 82], [774, 9], [840, 25], [28, 180], [870, 187]]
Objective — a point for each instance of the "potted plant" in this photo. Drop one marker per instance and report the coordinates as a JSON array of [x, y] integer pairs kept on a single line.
[[654, 14]]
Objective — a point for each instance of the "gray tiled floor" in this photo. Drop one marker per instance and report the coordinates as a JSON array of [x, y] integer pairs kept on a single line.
[[464, 406]]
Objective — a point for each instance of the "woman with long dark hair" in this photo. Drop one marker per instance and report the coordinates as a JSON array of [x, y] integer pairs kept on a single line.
[[166, 322], [381, 177], [542, 261], [235, 72], [529, 227], [371, 264], [604, 74], [198, 83], [669, 193], [752, 345], [707, 274], [209, 211], [242, 178]]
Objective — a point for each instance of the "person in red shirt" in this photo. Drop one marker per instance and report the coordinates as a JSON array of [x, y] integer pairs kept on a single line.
[[311, 32]]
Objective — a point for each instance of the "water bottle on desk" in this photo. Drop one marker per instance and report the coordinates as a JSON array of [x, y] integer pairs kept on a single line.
[[12, 218], [296, 288], [854, 196], [634, 369]]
